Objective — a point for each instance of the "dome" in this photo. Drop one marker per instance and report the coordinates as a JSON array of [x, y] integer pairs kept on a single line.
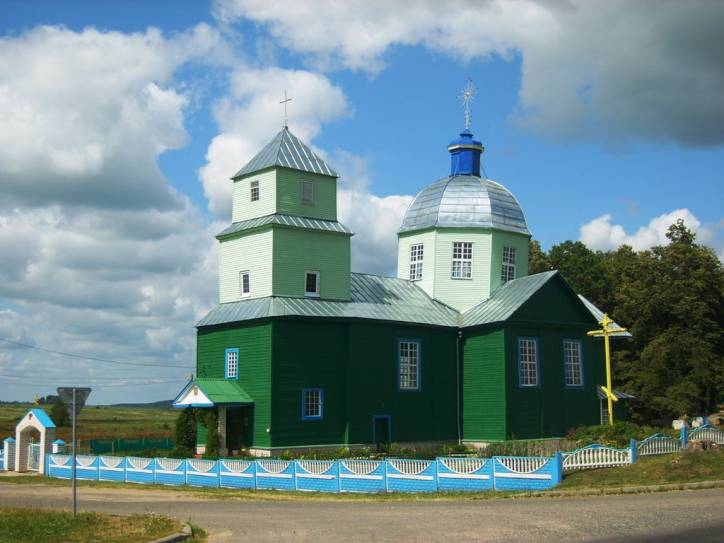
[[465, 201]]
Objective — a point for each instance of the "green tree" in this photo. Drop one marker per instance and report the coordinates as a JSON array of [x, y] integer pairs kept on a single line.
[[185, 430], [537, 259], [213, 439], [584, 270], [59, 414], [671, 297]]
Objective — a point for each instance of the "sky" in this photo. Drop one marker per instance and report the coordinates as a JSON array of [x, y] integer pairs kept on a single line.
[[123, 121]]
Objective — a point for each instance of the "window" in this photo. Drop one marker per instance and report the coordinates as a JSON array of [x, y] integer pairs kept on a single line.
[[507, 272], [245, 283], [416, 262], [462, 263], [528, 362], [308, 192], [572, 363], [254, 191], [311, 283], [409, 365], [232, 363], [312, 403]]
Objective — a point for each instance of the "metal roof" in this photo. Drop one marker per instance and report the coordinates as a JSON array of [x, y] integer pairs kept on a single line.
[[465, 201], [506, 299], [288, 151], [221, 391], [598, 314], [372, 297], [620, 395], [286, 220], [42, 417]]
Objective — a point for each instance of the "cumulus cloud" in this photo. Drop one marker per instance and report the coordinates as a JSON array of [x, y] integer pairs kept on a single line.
[[101, 256], [616, 70], [602, 234]]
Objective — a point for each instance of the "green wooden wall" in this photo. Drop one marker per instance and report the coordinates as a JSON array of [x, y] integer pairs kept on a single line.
[[254, 342], [289, 194], [484, 385]]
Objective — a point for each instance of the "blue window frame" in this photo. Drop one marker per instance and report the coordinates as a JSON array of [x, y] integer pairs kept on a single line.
[[528, 362], [312, 403], [409, 365], [573, 363], [231, 371]]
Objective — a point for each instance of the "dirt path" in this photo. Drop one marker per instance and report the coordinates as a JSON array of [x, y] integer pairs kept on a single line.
[[668, 516]]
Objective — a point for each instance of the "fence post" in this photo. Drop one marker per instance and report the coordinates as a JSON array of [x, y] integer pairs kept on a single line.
[[684, 436], [256, 486], [387, 486], [634, 450], [437, 472], [558, 461], [339, 476]]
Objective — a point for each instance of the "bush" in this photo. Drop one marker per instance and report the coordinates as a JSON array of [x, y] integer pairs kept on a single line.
[[620, 434], [59, 414]]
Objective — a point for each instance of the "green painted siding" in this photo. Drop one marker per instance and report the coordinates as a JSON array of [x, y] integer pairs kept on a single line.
[[484, 386], [309, 354], [298, 251], [254, 342], [249, 252], [423, 415], [427, 238], [508, 239], [289, 194], [243, 208]]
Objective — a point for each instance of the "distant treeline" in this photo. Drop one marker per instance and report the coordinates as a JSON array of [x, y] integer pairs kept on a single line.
[[670, 298]]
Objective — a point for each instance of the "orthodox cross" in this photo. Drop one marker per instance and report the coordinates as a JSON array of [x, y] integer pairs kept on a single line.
[[466, 96], [606, 331], [285, 106]]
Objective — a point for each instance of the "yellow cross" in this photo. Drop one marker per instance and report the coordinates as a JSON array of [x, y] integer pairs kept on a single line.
[[606, 331]]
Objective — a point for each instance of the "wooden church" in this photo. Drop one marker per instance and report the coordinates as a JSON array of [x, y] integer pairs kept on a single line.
[[463, 345]]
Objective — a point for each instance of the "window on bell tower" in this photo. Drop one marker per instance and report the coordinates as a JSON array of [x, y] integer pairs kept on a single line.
[[507, 271], [254, 191], [308, 192], [416, 254]]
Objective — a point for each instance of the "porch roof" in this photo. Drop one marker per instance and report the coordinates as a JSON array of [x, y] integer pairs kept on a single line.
[[213, 392]]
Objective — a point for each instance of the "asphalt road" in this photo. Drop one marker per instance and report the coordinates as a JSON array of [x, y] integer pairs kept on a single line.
[[696, 515]]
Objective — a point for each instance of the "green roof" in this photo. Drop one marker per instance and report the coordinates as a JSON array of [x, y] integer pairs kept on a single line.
[[221, 391], [395, 300], [288, 151], [285, 220]]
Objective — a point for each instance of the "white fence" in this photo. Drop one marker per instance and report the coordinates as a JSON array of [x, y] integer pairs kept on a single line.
[[597, 456]]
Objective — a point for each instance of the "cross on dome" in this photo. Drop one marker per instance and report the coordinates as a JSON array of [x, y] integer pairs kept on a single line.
[[466, 96]]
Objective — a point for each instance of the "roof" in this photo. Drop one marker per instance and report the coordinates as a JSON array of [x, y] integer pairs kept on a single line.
[[218, 391], [285, 220], [42, 417], [286, 150], [372, 297], [506, 299], [465, 201], [598, 314], [620, 395]]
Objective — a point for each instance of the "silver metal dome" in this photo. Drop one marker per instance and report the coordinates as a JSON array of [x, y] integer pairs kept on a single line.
[[465, 201]]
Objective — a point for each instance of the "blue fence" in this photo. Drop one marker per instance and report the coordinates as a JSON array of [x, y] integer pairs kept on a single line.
[[353, 475]]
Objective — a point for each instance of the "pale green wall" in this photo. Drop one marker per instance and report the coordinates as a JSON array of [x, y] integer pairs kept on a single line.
[[427, 238], [251, 252], [297, 251], [243, 208], [508, 239], [289, 194]]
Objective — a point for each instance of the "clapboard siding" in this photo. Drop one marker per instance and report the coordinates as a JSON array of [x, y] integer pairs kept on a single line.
[[428, 259], [289, 194], [508, 239], [251, 252], [243, 208], [254, 342], [484, 386]]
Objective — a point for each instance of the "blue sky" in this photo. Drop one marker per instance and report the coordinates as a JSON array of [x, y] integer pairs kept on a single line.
[[126, 119]]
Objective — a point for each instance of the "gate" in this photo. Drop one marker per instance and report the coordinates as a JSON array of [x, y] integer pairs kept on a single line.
[[33, 456]]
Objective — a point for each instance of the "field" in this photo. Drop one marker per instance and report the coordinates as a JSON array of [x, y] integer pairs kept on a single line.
[[100, 422]]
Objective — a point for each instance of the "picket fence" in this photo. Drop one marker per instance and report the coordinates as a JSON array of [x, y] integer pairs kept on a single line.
[[349, 475]]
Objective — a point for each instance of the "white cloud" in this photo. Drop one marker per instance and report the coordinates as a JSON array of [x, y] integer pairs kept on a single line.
[[100, 255], [602, 234], [615, 70], [250, 116]]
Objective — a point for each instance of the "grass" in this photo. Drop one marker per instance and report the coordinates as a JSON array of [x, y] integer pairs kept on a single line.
[[100, 422], [686, 467], [49, 526]]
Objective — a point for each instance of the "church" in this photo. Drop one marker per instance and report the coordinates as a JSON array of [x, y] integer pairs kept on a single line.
[[462, 346]]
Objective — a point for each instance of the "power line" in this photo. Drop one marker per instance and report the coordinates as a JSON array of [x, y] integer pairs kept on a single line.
[[96, 385], [93, 358]]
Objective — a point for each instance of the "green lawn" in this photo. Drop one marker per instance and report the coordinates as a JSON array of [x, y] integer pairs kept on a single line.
[[100, 422], [688, 467], [33, 525]]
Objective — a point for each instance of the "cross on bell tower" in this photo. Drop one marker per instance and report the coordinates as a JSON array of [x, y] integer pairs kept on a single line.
[[285, 106]]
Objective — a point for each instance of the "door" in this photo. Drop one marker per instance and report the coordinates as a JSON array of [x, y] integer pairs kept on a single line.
[[381, 431], [33, 456], [238, 428]]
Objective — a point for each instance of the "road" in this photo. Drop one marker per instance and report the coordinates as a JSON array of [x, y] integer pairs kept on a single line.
[[668, 516]]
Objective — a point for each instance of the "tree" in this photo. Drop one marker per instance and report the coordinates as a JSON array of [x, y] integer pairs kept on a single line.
[[186, 430], [59, 414], [538, 261], [584, 270]]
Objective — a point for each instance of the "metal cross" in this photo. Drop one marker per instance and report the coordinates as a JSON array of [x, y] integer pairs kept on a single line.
[[285, 106], [466, 96], [606, 331]]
